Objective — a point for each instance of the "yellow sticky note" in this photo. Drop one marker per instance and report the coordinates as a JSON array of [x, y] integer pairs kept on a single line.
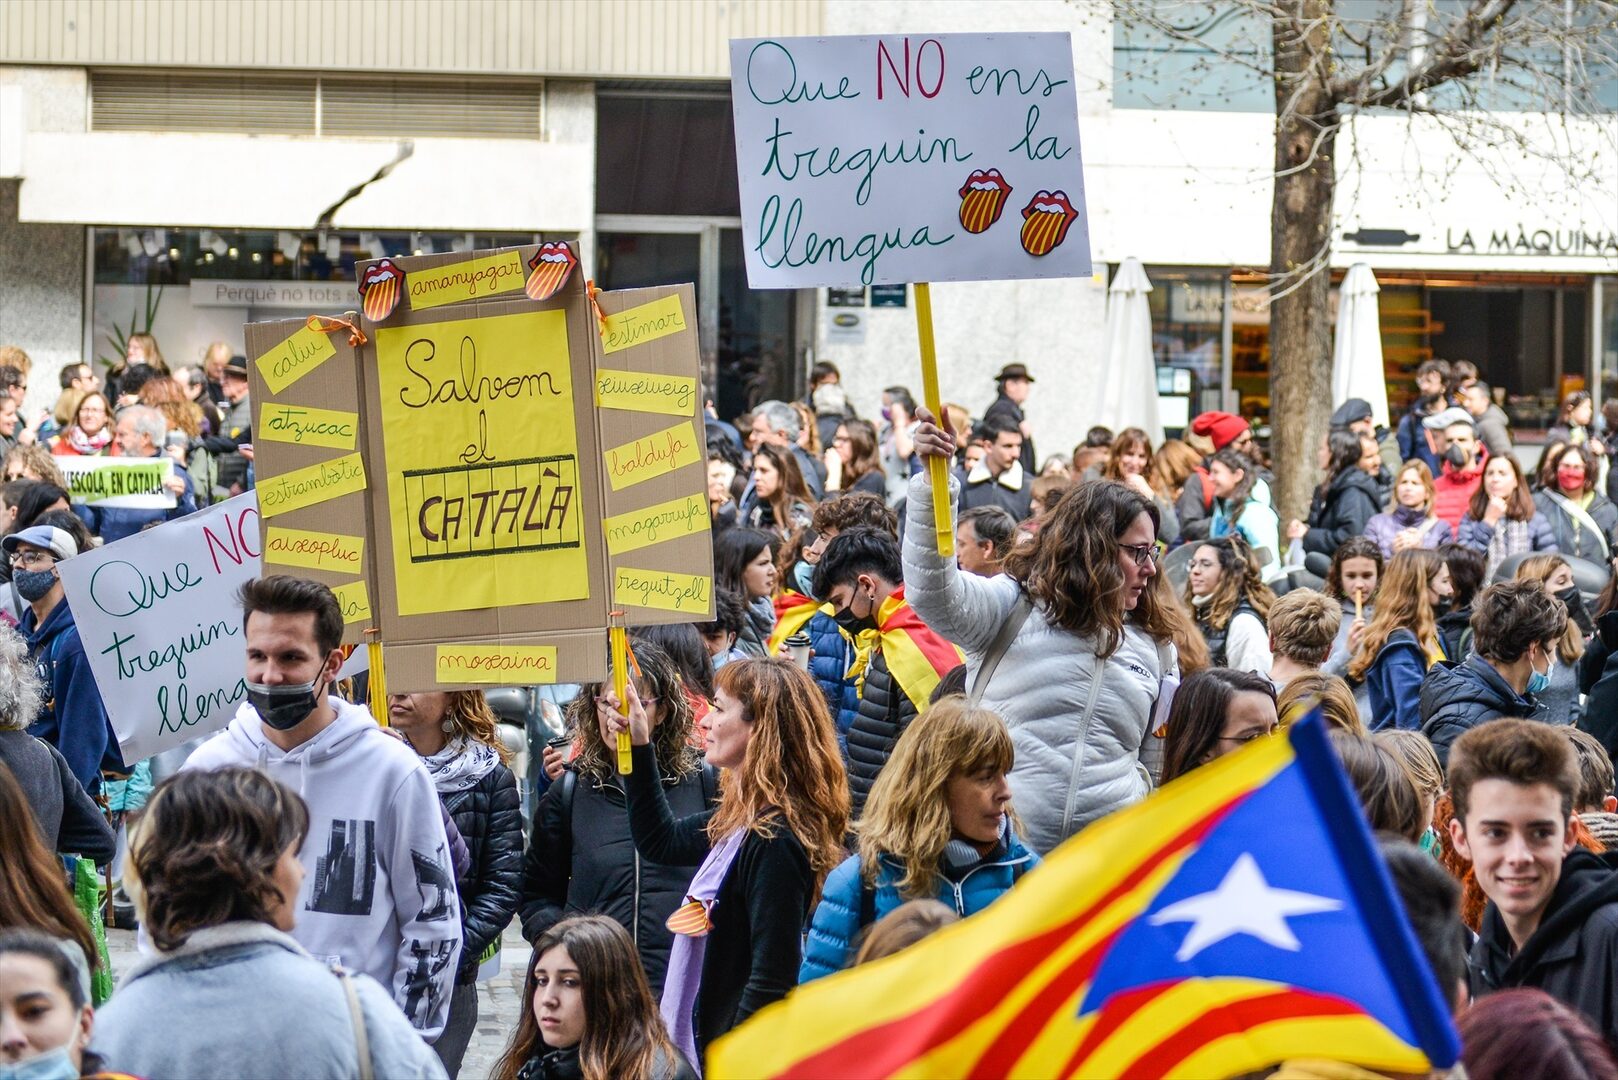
[[295, 357], [354, 601], [485, 487], [311, 485], [303, 425], [685, 516], [645, 391], [661, 589], [514, 665], [489, 276], [314, 550], [652, 455], [641, 324]]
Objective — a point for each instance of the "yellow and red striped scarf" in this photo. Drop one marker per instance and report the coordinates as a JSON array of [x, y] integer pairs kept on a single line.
[[793, 610], [918, 657]]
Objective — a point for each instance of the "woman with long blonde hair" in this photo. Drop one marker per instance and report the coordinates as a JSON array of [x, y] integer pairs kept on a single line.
[[1561, 697], [1402, 640], [458, 739], [765, 850], [938, 825]]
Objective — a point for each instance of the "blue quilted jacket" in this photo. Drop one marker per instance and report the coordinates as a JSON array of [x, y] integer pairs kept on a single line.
[[968, 888], [833, 654]]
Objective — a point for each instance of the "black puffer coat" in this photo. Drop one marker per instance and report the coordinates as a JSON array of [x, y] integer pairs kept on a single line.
[[885, 710], [1455, 698], [1351, 499], [489, 817], [1572, 955], [582, 860], [1598, 681]]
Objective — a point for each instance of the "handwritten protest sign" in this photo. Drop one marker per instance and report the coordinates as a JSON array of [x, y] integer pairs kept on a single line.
[[483, 462], [132, 483], [158, 616], [908, 158], [449, 472]]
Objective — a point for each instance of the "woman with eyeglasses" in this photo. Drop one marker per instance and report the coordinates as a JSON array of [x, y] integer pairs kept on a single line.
[[852, 462], [1070, 644], [91, 432], [1230, 604], [1216, 712]]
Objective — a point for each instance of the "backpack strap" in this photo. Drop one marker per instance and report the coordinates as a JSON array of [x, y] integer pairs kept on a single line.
[[570, 785], [1002, 641], [356, 1016]]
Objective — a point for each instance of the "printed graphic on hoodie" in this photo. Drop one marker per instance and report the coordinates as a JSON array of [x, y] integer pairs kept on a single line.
[[345, 877], [433, 876], [423, 987]]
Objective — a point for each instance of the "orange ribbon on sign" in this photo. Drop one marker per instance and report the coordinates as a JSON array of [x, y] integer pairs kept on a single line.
[[330, 324], [592, 292]]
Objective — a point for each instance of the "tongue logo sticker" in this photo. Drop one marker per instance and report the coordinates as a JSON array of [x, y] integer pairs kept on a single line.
[[983, 196], [1045, 222], [381, 288], [551, 265]]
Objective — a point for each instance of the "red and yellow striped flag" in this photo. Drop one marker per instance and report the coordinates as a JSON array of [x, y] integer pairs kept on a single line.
[[1240, 918]]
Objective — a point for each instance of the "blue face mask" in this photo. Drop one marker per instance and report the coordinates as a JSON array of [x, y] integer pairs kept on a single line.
[[1540, 681], [51, 1065], [803, 575]]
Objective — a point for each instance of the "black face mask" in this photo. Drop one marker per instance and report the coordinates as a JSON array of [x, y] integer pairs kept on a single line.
[[1576, 610], [1456, 457], [1442, 608], [284, 707], [851, 624]]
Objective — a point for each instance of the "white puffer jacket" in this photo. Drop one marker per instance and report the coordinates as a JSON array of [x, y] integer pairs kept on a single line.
[[1079, 747]]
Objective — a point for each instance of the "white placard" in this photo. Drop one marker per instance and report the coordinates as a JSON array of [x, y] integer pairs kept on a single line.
[[126, 483], [919, 157], [161, 626]]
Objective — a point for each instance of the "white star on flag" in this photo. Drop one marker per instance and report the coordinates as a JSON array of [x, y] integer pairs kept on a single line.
[[1244, 903]]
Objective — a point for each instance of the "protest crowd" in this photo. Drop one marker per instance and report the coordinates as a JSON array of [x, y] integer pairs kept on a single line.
[[868, 742]]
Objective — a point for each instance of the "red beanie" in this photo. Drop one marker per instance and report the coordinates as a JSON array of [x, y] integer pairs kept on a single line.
[[1221, 427]]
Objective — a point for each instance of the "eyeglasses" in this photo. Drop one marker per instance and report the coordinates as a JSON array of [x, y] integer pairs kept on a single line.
[[1143, 554], [1248, 736], [32, 558]]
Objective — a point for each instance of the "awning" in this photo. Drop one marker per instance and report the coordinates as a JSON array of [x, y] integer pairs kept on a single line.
[[270, 182]]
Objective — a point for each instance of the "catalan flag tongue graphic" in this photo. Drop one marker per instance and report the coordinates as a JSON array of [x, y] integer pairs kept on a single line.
[[550, 268], [380, 290]]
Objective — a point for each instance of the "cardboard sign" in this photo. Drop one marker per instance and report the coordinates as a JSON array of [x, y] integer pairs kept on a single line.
[[131, 483], [495, 444], [161, 627], [920, 157], [311, 470]]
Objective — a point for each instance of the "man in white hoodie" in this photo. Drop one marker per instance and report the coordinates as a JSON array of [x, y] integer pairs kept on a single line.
[[378, 894]]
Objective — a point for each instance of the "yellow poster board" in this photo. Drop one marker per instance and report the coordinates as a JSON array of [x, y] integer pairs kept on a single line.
[[483, 463]]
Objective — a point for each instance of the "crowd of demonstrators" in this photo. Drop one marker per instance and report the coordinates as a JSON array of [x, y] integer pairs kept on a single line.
[[868, 740]]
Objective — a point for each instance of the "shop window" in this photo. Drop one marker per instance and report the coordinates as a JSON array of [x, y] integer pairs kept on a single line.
[[1188, 315], [189, 287]]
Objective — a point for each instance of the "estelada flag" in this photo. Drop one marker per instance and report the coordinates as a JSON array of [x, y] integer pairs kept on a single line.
[[1239, 918]]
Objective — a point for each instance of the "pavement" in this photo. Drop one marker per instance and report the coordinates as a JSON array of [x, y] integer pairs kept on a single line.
[[499, 999]]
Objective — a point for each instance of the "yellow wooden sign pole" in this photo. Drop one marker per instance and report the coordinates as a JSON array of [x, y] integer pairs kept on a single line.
[[937, 468], [618, 638]]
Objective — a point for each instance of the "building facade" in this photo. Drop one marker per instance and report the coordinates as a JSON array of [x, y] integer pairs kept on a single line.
[[185, 166]]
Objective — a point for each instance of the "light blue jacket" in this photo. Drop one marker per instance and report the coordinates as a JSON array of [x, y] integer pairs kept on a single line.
[[968, 887], [247, 1000]]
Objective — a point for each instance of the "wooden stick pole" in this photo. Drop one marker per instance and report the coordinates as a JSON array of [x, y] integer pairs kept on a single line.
[[618, 638], [937, 468]]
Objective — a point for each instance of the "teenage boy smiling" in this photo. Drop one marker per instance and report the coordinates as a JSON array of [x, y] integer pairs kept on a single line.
[[1552, 917]]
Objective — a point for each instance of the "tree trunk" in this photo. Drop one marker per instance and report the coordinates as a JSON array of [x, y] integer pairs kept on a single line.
[[1300, 224]]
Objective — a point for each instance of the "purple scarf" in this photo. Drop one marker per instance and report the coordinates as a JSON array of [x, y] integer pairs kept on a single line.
[[684, 977]]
